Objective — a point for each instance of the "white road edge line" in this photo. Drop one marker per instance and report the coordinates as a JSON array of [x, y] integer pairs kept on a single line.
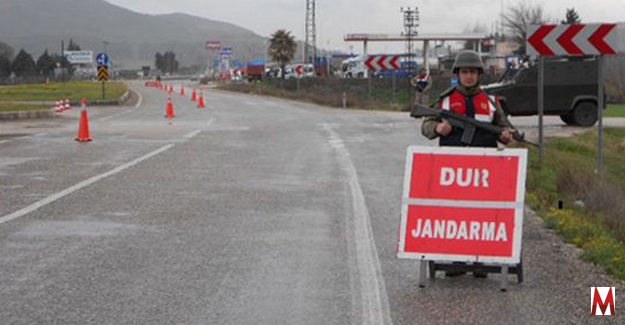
[[76, 187], [374, 300], [140, 99], [192, 134]]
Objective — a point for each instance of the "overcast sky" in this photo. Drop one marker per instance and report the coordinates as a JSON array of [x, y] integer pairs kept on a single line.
[[335, 18]]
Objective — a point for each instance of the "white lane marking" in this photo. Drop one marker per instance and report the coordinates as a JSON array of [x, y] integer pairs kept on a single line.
[[210, 122], [4, 141], [373, 298], [113, 116], [192, 134], [124, 112], [140, 99], [79, 186]]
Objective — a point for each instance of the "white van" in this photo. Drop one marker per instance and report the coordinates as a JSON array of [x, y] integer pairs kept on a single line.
[[354, 68]]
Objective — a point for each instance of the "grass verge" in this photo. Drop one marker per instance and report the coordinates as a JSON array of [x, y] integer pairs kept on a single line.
[[359, 95], [593, 213], [11, 107], [62, 90], [615, 110]]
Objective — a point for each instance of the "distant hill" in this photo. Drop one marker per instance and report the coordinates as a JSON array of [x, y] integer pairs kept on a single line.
[[133, 38]]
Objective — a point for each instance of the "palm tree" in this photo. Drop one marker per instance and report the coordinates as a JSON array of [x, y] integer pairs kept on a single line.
[[282, 48]]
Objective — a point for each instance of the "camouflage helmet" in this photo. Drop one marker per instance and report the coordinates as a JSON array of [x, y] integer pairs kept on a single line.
[[468, 59]]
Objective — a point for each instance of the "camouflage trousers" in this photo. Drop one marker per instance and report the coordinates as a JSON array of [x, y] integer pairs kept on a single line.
[[422, 97]]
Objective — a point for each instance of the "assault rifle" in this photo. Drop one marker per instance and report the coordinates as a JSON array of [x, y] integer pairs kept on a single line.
[[468, 124]]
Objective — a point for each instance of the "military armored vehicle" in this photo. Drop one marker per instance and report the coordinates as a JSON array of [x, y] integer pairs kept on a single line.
[[570, 90]]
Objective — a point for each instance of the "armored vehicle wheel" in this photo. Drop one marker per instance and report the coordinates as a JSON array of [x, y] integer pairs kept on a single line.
[[585, 114], [567, 118]]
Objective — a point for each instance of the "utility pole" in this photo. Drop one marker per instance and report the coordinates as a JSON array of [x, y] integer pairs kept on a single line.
[[411, 22], [310, 47], [502, 21]]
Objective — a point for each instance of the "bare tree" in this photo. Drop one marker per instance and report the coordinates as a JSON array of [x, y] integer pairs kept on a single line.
[[518, 19], [571, 17]]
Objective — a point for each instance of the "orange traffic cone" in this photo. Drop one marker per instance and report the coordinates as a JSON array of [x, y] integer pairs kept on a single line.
[[200, 103], [181, 91], [83, 127], [169, 110], [193, 95]]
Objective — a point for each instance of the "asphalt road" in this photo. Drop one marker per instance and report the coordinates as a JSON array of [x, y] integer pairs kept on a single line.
[[251, 211]]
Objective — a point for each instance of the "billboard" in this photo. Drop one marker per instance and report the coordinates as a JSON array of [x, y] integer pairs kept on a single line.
[[213, 45], [79, 57]]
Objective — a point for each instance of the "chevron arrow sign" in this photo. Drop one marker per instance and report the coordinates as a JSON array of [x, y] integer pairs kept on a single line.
[[382, 62], [299, 69], [573, 40]]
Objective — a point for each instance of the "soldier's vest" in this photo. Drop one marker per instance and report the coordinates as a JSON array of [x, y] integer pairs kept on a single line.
[[422, 82], [478, 106]]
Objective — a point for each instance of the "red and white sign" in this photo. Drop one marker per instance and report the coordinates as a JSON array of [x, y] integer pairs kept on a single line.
[[573, 40], [382, 62], [604, 298], [463, 204], [213, 45], [299, 69]]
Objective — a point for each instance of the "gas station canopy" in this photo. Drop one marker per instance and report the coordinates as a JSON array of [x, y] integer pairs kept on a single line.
[[421, 37]]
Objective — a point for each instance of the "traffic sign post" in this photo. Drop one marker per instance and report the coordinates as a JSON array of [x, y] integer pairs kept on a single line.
[[103, 76], [572, 40], [463, 205]]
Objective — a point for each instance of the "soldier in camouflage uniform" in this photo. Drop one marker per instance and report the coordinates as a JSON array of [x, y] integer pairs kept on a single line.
[[422, 83], [467, 98]]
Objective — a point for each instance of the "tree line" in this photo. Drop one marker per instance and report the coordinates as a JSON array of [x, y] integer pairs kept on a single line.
[[23, 67], [166, 63]]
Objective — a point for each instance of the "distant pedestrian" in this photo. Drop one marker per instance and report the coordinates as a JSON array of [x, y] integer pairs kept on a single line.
[[422, 84]]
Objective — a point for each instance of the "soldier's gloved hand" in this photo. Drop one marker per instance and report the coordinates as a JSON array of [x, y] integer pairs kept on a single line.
[[506, 136], [443, 128]]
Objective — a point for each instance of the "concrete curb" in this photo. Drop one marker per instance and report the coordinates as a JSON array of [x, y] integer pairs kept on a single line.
[[26, 115], [108, 102]]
